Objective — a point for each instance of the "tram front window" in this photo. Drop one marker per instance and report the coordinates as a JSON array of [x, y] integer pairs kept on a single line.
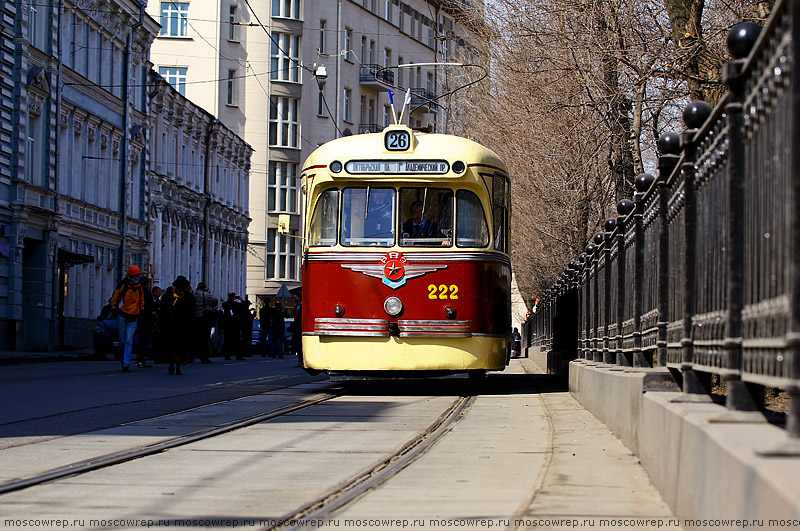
[[427, 217], [368, 216], [323, 222]]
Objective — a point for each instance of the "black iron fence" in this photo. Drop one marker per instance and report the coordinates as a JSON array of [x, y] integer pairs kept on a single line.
[[700, 272]]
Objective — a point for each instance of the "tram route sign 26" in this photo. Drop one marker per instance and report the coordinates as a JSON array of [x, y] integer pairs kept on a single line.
[[398, 167]]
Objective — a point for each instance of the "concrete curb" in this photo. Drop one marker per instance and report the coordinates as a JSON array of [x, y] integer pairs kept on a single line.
[[705, 470]]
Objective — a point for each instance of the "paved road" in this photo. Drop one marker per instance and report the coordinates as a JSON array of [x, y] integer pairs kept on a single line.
[[46, 400], [525, 455]]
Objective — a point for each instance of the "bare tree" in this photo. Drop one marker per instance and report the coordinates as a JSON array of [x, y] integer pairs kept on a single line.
[[579, 92]]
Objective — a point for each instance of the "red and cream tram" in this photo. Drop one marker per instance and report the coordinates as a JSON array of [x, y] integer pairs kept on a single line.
[[405, 262]]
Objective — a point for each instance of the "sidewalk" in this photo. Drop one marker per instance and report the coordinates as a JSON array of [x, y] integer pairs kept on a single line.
[[8, 357]]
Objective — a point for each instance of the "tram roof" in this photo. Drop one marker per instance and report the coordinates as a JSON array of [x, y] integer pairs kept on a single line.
[[427, 146]]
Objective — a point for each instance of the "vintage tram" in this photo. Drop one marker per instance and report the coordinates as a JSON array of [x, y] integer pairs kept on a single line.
[[405, 268]]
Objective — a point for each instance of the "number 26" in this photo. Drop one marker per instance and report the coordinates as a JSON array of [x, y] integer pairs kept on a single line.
[[441, 291]]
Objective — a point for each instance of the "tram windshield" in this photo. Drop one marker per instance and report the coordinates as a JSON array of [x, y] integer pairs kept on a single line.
[[368, 216], [426, 217], [421, 217]]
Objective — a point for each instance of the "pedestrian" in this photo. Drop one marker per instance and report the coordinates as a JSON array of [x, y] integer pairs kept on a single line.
[[264, 320], [297, 326], [181, 323], [145, 326], [127, 303], [516, 343], [163, 324], [205, 307], [231, 330], [246, 316], [277, 330]]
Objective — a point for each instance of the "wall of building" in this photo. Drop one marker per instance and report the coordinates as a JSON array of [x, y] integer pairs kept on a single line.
[[76, 205], [199, 195]]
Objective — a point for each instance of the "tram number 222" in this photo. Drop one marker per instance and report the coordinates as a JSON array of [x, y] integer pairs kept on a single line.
[[442, 291]]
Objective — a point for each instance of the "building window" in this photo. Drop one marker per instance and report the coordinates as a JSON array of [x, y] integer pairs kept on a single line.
[[387, 115], [322, 25], [175, 76], [231, 87], [286, 9], [348, 96], [363, 110], [232, 25], [348, 44], [282, 187], [174, 19], [35, 20], [321, 100], [285, 57], [281, 255], [387, 10], [33, 159], [364, 56], [283, 124], [387, 57]]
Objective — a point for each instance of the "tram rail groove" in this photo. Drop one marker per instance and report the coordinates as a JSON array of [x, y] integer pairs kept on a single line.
[[350, 490], [122, 456]]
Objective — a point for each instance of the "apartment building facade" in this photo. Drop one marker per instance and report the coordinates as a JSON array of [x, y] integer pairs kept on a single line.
[[77, 111], [290, 75]]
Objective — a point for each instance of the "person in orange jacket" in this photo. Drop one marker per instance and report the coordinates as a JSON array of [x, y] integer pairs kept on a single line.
[[127, 302]]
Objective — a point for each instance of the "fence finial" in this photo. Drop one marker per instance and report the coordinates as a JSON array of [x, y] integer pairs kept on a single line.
[[741, 39]]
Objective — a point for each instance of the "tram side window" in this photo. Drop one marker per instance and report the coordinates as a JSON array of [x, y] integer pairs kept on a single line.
[[325, 219], [426, 216], [471, 227], [500, 212], [368, 216]]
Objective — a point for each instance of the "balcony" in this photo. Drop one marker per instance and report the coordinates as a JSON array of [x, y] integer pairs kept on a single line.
[[369, 128], [423, 97], [367, 76]]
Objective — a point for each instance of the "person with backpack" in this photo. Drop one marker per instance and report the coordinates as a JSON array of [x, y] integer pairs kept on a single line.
[[127, 303]]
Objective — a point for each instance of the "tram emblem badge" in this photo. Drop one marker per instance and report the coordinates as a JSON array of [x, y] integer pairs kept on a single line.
[[394, 269]]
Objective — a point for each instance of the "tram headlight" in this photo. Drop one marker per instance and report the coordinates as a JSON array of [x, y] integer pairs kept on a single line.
[[336, 166], [459, 166], [393, 306], [338, 310]]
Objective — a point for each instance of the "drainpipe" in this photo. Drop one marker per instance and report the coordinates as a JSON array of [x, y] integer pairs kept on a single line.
[[204, 262], [58, 300], [125, 177], [339, 65]]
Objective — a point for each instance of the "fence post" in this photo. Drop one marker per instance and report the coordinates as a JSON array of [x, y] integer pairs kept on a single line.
[[740, 43], [597, 353], [670, 145]]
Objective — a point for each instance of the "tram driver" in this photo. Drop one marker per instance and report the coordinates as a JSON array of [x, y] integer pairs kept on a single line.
[[419, 226]]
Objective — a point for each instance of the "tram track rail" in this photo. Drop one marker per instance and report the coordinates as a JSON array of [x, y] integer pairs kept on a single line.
[[130, 454], [376, 475]]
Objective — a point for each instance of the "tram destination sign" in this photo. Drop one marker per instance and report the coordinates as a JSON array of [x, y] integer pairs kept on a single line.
[[398, 167]]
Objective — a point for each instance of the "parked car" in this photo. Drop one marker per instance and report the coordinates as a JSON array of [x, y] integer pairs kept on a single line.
[[106, 336], [256, 339]]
